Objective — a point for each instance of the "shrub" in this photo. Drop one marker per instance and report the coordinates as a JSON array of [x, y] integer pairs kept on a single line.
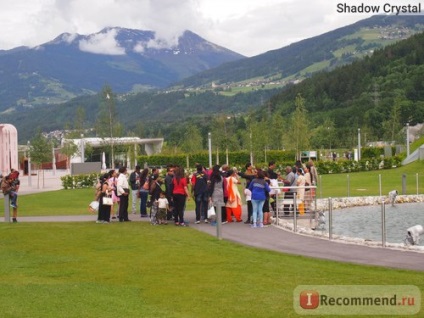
[[79, 181]]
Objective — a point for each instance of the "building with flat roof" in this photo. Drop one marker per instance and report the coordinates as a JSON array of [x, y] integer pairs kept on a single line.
[[151, 145]]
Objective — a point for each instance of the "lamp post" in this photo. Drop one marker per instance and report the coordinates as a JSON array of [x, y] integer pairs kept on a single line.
[[29, 163], [111, 129], [251, 151], [210, 149], [82, 148], [359, 144], [407, 139], [53, 160]]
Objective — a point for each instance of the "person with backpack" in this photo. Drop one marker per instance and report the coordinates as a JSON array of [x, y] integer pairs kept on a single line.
[[199, 182]]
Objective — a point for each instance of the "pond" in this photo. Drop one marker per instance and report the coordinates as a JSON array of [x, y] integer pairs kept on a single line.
[[365, 221]]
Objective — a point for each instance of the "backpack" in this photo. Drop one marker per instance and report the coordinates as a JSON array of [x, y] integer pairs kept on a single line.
[[6, 187], [201, 185], [152, 187]]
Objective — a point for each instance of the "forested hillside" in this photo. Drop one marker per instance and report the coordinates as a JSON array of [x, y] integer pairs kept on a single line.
[[379, 94], [323, 52]]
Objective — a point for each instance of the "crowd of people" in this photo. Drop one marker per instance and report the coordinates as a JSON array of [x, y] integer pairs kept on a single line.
[[216, 187]]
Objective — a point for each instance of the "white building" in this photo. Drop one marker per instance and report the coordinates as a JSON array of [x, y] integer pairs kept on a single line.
[[151, 145]]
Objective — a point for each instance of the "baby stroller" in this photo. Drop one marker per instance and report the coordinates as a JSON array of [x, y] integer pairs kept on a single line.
[[154, 213]]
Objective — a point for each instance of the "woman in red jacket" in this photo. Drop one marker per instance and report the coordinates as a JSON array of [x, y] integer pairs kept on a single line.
[[180, 194]]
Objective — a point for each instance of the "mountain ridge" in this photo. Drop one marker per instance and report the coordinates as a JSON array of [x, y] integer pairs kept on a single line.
[[73, 64]]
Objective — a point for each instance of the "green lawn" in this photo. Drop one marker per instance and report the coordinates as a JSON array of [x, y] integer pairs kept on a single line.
[[367, 183], [139, 270]]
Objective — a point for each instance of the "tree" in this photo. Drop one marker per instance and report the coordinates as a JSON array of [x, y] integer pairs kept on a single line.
[[40, 152], [298, 133], [68, 149], [392, 125], [192, 139]]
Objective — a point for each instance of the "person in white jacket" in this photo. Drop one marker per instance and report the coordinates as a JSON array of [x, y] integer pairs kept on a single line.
[[123, 191]]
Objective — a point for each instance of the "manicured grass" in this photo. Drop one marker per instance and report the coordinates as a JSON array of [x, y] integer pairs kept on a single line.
[[138, 270], [367, 183]]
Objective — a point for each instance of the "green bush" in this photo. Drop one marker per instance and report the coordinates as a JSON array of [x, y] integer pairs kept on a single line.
[[79, 181]]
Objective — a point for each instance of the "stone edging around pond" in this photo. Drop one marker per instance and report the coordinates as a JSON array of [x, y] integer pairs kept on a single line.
[[348, 202], [340, 203]]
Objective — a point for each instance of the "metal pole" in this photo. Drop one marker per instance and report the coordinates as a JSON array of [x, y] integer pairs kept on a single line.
[[383, 223], [330, 218], [82, 148], [219, 223], [210, 149], [379, 182], [6, 208], [320, 187], [348, 186], [294, 213], [226, 156], [29, 164], [403, 184], [251, 148], [407, 139], [277, 212], [417, 183], [135, 155], [53, 161], [315, 208], [111, 131], [359, 144]]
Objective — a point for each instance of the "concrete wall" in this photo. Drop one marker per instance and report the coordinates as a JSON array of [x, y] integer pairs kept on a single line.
[[85, 168]]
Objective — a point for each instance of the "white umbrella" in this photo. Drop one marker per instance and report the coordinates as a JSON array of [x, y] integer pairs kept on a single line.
[[103, 161]]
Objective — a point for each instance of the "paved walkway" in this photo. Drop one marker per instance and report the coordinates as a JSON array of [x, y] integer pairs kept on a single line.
[[270, 238]]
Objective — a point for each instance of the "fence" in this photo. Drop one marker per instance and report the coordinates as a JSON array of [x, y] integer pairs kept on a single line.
[[401, 221]]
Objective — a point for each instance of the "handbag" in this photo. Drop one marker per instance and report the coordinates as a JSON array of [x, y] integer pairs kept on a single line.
[[93, 206], [211, 211], [107, 201]]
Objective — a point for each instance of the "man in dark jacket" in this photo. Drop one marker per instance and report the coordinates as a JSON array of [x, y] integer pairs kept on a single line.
[[199, 186]]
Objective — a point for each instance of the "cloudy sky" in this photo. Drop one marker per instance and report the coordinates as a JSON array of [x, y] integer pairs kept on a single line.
[[249, 27]]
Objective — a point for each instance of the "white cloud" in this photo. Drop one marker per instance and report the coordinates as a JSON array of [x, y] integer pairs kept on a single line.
[[249, 27], [102, 43]]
